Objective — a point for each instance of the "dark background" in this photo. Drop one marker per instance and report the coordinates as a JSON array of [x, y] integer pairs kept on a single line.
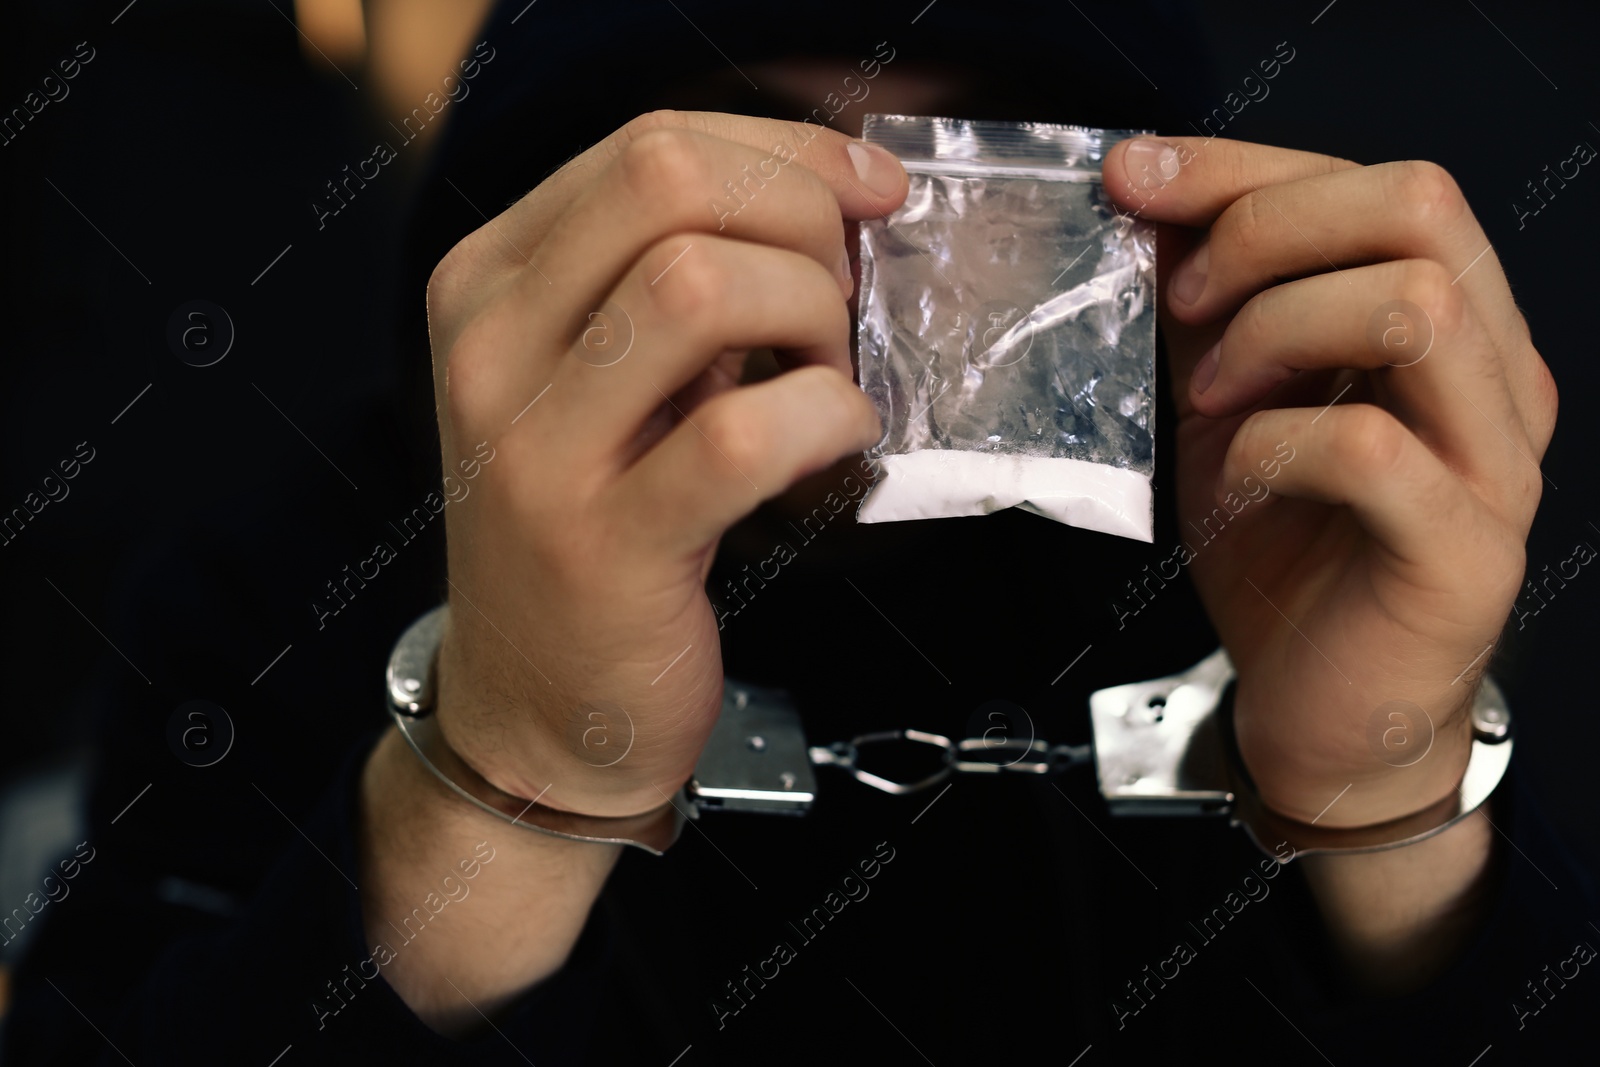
[[195, 141]]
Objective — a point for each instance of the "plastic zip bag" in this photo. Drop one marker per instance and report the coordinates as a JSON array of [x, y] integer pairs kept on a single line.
[[1007, 329]]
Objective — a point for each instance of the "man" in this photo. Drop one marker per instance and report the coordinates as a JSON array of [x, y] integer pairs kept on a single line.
[[1381, 566]]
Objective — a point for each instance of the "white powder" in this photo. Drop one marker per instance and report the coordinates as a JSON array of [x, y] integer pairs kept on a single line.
[[939, 483]]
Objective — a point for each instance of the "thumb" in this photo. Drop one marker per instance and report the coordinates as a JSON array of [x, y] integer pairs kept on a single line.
[[868, 180]]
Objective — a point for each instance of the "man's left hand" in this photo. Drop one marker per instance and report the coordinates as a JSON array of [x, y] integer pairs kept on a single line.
[[1361, 413]]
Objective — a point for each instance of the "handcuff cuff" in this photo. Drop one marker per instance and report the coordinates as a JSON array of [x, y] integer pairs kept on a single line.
[[1161, 747]]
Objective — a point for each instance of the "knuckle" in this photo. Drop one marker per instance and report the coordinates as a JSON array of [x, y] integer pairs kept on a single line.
[[1426, 193], [1427, 284], [1546, 397], [447, 282], [662, 163], [1368, 442], [1255, 438], [1532, 487], [1514, 496], [660, 119], [811, 287], [834, 313], [1538, 401], [686, 285], [821, 205], [858, 416], [1252, 328], [733, 438], [1252, 223], [835, 394], [468, 371]]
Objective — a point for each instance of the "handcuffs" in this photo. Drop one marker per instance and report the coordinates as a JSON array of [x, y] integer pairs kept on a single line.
[[1161, 747]]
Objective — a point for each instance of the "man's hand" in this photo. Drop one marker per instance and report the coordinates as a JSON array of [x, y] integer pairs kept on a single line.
[[1343, 336], [587, 347], [594, 334], [1361, 414]]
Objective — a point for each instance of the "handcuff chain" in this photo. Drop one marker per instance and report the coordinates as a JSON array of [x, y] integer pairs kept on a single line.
[[960, 757]]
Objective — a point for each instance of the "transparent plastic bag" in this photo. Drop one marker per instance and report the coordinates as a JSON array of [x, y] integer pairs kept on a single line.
[[1007, 329]]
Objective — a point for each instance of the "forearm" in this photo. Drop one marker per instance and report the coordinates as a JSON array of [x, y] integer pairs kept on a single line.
[[482, 932], [1398, 918]]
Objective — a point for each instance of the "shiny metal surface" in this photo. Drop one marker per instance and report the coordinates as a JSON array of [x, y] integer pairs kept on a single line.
[[410, 672], [756, 758], [846, 755], [1156, 746], [1011, 756], [1160, 749]]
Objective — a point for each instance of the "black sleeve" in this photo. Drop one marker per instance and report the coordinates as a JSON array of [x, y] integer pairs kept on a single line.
[[1526, 987], [211, 914], [289, 974]]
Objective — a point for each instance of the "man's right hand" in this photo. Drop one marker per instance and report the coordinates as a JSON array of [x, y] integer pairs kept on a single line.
[[594, 335]]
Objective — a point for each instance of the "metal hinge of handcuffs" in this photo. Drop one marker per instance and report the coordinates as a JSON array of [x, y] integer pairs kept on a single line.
[[1159, 749]]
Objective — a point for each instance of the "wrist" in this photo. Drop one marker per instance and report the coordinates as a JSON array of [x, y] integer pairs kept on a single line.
[[407, 810], [401, 793], [430, 862], [581, 759], [1349, 771]]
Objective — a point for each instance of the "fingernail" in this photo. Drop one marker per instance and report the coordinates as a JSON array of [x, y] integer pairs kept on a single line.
[[847, 281], [1205, 372], [1190, 281], [878, 170], [1149, 163]]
